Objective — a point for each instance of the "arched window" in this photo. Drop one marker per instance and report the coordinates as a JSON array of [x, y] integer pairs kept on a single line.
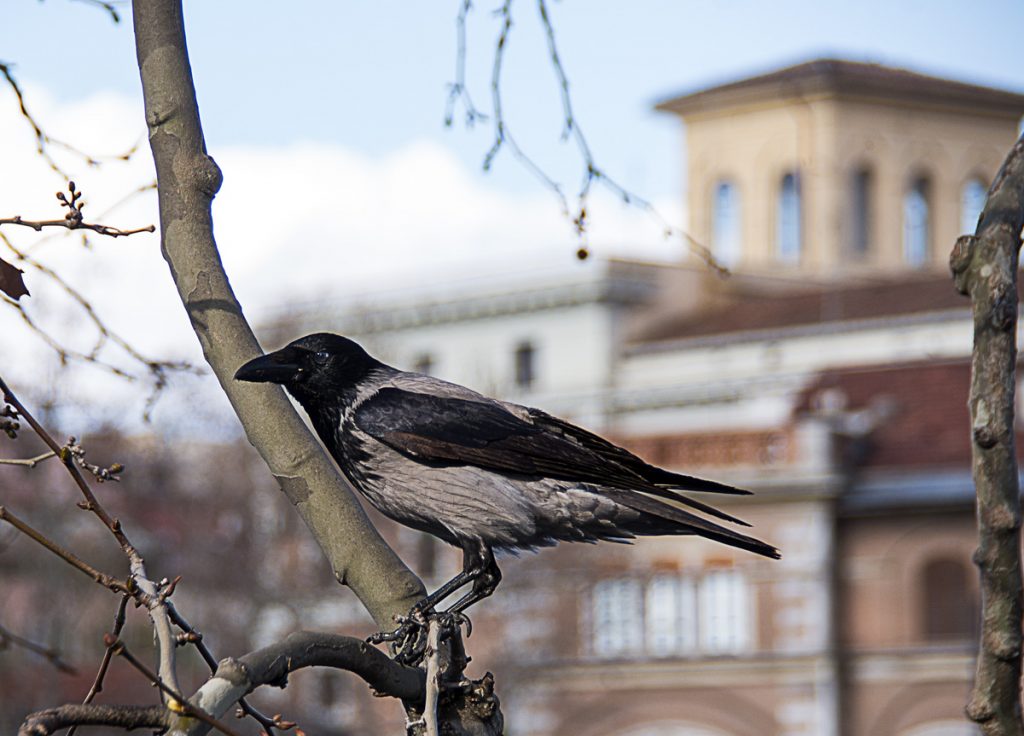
[[948, 607], [861, 190], [726, 241], [788, 220], [972, 200], [917, 223]]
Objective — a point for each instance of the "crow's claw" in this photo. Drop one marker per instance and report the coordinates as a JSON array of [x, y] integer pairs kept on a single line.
[[409, 640], [453, 621]]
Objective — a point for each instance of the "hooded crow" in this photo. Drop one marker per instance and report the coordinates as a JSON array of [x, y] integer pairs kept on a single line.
[[481, 474]]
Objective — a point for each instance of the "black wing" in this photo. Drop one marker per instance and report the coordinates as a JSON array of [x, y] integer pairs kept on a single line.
[[450, 431]]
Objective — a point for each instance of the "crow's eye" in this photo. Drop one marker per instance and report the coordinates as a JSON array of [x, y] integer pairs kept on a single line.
[[321, 356]]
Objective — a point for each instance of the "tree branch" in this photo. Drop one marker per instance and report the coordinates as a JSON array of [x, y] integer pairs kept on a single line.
[[108, 654], [503, 138], [43, 139], [128, 717], [74, 219], [8, 637], [175, 700], [188, 179], [271, 665], [144, 590], [985, 268], [195, 638], [103, 579]]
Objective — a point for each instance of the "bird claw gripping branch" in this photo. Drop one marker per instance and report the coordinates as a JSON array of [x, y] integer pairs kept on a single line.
[[410, 638]]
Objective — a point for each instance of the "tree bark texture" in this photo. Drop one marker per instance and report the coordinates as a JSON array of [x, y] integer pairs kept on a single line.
[[985, 268], [272, 665], [188, 179], [128, 717]]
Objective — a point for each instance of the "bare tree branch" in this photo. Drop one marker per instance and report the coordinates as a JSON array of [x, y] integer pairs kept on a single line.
[[985, 267], [107, 581], [271, 665], [106, 6], [108, 654], [175, 701], [503, 138], [128, 717], [45, 140], [433, 686], [195, 638], [74, 219], [457, 90], [9, 638], [28, 462], [142, 588], [188, 180], [158, 370]]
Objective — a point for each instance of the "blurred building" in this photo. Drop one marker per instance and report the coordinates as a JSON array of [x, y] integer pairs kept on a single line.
[[829, 374]]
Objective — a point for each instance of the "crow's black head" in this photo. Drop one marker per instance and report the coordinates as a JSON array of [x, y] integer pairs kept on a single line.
[[318, 365]]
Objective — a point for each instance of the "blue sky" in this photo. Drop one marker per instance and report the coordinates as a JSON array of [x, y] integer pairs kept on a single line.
[[371, 75]]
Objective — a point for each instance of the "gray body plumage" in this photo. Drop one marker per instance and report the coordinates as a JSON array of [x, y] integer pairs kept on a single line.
[[461, 503]]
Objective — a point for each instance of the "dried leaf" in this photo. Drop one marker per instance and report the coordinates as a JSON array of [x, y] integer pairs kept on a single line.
[[11, 281]]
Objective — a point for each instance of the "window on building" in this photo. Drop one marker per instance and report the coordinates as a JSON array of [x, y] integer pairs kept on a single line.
[[726, 243], [861, 190], [972, 201], [724, 613], [948, 607], [617, 617], [424, 364], [789, 220], [672, 615], [525, 368], [917, 222]]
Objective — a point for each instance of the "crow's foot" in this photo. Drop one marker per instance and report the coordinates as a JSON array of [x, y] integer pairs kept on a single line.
[[409, 640]]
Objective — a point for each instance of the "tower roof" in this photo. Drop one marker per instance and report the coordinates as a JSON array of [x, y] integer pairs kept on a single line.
[[836, 77]]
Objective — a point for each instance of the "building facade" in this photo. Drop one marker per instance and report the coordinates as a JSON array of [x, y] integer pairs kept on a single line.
[[829, 374]]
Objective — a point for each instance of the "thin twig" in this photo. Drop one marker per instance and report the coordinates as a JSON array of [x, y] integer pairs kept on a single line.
[[107, 6], [108, 212], [433, 688], [75, 218], [38, 225], [143, 589], [158, 369], [44, 139], [502, 135], [101, 673], [28, 462], [178, 702], [457, 90], [8, 637], [107, 581], [578, 214]]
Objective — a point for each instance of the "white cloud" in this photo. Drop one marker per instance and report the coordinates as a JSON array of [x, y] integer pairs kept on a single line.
[[293, 223]]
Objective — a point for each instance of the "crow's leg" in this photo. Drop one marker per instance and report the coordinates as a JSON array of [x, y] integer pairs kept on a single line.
[[485, 583], [410, 636]]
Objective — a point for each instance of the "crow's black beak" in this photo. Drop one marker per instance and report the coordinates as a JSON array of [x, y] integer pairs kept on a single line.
[[270, 368]]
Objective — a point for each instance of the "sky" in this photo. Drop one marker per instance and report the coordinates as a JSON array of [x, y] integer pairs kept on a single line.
[[341, 177]]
